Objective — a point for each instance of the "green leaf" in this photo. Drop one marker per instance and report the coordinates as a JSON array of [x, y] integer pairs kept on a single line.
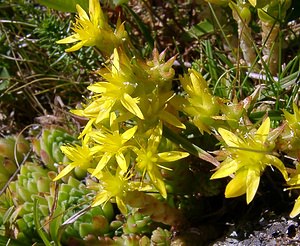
[[200, 29], [143, 28], [37, 224], [11, 242], [65, 5], [4, 79]]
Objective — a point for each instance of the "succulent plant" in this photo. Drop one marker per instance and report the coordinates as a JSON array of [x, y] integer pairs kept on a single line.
[[161, 237], [131, 240], [14, 147], [12, 152], [32, 184], [137, 223], [62, 209], [71, 218], [47, 146]]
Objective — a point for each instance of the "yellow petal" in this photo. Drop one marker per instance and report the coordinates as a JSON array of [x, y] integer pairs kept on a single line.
[[120, 158], [121, 205], [252, 183], [98, 87], [296, 208], [88, 128], [237, 186], [116, 64], [100, 198], [155, 137], [102, 163], [274, 161], [230, 139], [294, 180], [289, 117], [130, 104], [172, 156], [263, 131], [81, 12], [227, 168], [76, 46], [94, 11], [195, 82], [64, 172], [71, 39], [129, 134], [158, 182], [296, 112]]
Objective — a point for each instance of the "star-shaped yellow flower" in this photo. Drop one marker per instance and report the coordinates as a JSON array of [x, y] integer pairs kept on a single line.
[[112, 186], [93, 30], [80, 156], [200, 105], [111, 143], [247, 158], [115, 92], [149, 160]]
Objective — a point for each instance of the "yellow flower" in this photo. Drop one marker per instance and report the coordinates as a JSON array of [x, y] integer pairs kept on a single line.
[[201, 105], [112, 186], [93, 30], [157, 107], [117, 89], [148, 160], [247, 157], [111, 143], [80, 156]]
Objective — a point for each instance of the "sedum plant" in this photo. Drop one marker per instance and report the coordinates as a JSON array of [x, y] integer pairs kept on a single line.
[[247, 156], [13, 151], [133, 109], [120, 142], [47, 145], [130, 152]]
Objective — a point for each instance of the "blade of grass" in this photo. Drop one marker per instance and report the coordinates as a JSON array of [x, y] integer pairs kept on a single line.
[[143, 28], [37, 224]]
